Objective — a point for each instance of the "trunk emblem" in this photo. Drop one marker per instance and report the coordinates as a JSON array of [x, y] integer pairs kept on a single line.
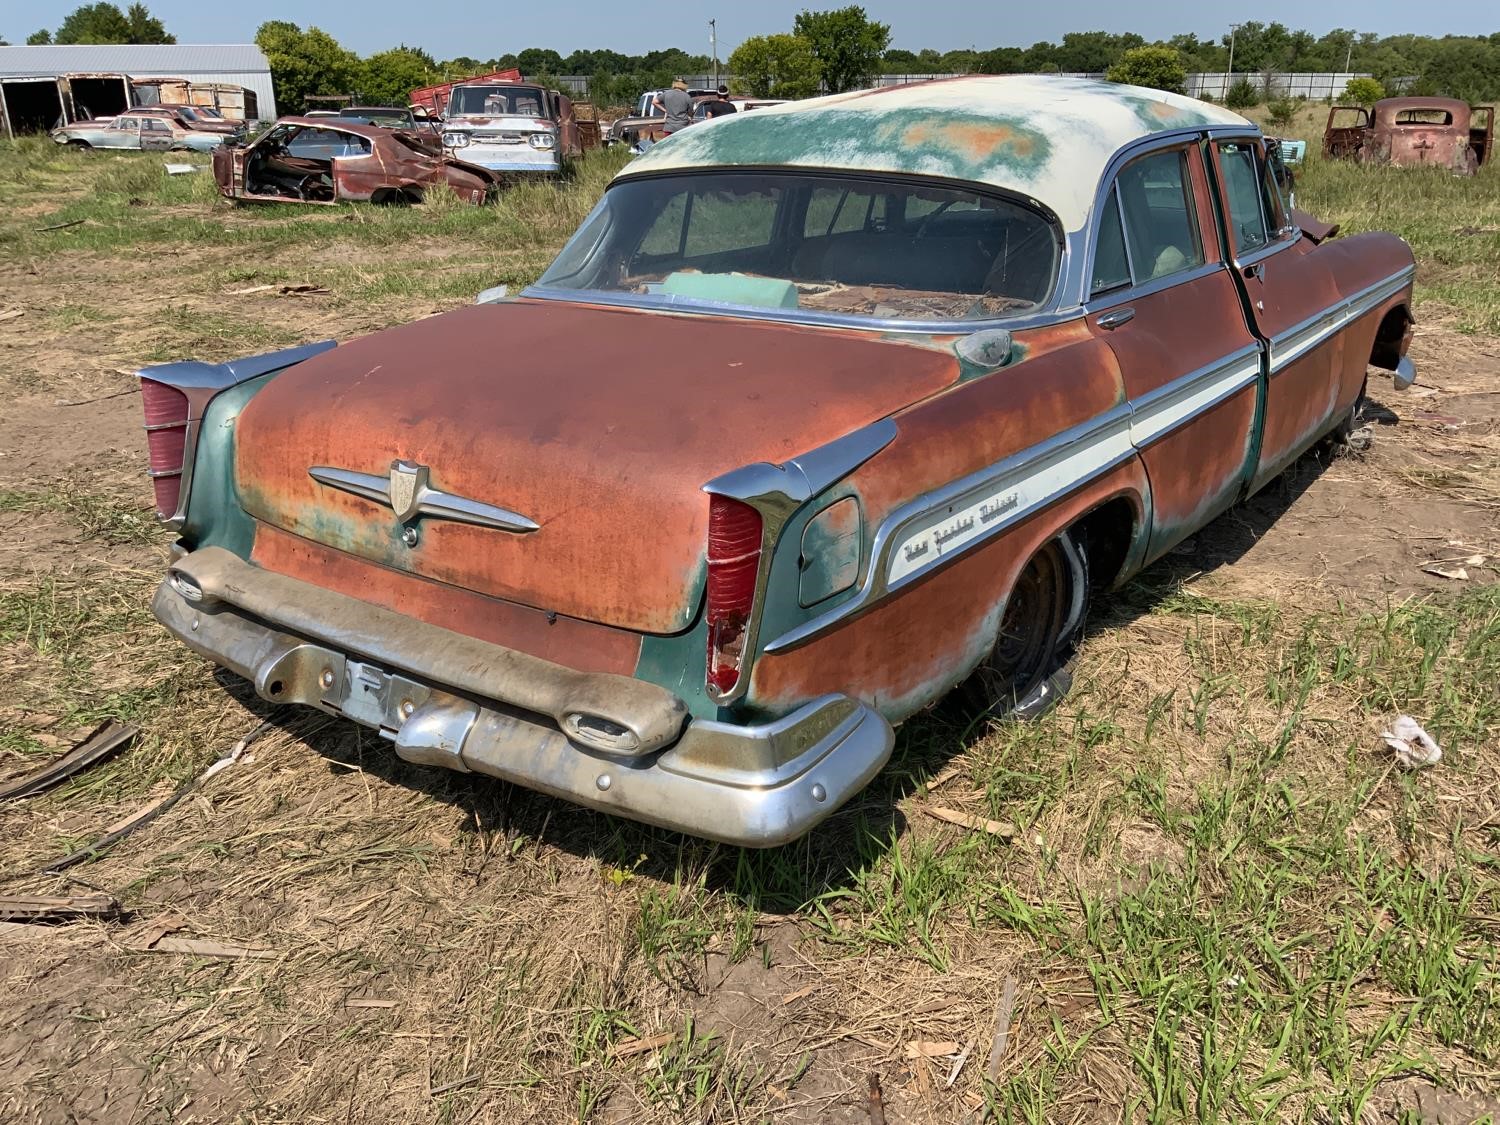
[[408, 481], [407, 491]]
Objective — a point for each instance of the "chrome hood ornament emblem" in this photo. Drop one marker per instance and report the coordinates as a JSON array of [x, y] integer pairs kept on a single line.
[[407, 491]]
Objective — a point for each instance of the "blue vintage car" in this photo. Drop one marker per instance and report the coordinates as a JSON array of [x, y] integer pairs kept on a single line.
[[148, 132]]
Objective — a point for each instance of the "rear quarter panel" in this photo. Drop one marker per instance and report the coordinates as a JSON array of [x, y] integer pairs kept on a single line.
[[910, 647]]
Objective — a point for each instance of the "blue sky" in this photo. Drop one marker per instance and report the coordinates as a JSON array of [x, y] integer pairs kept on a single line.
[[454, 27]]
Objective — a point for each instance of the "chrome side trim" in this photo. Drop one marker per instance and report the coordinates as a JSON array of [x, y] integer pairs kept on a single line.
[[932, 528], [1301, 338], [200, 382], [427, 502], [1165, 409], [776, 491], [1109, 298]]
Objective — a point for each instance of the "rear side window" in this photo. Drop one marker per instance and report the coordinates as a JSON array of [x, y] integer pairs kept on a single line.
[[1244, 197], [1111, 266]]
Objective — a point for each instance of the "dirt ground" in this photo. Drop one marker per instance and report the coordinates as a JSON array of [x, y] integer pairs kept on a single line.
[[421, 946]]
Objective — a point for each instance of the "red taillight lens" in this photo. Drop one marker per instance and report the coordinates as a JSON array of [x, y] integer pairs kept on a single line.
[[734, 534], [166, 410]]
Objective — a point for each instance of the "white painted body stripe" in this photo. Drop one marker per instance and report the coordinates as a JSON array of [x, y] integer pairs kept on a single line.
[[983, 511], [1181, 401]]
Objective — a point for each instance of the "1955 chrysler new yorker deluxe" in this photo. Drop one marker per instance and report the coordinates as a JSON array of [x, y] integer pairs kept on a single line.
[[824, 410]]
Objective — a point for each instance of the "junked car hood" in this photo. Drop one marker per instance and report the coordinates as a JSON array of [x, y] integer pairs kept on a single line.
[[598, 425]]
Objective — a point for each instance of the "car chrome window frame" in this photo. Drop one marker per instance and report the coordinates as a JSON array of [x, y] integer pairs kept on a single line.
[[1151, 145], [1278, 239]]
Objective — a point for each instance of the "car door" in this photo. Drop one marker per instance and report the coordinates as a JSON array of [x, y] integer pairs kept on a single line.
[[156, 134], [1293, 302], [1163, 298], [1345, 131], [123, 132]]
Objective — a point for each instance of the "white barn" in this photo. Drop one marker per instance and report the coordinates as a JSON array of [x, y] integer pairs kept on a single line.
[[29, 97]]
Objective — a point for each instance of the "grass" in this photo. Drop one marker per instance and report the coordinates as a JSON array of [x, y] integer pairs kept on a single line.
[[1223, 901]]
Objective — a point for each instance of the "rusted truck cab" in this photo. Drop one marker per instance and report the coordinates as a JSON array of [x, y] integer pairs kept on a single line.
[[1413, 132], [516, 128]]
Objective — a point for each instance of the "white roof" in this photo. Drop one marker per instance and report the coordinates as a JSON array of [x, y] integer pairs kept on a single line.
[[1046, 137], [136, 59]]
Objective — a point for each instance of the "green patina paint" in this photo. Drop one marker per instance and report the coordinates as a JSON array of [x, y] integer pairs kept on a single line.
[[829, 559], [216, 516], [1157, 115], [919, 139], [677, 662]]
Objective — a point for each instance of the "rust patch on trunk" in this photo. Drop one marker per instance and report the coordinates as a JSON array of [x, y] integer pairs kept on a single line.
[[562, 640]]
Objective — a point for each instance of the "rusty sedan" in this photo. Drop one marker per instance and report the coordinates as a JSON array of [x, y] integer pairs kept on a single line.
[[826, 410], [326, 160]]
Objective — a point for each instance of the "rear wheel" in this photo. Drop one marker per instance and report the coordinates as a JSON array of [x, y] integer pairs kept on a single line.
[[1026, 672]]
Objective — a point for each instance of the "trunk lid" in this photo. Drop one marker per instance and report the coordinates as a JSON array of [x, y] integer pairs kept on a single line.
[[600, 425]]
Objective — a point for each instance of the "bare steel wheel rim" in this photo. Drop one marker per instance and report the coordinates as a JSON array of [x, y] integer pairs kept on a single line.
[[1032, 625]]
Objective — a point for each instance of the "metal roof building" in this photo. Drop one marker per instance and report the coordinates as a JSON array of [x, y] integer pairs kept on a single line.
[[237, 64]]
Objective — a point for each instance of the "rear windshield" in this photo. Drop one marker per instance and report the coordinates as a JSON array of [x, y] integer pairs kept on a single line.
[[495, 101], [853, 246], [1423, 117]]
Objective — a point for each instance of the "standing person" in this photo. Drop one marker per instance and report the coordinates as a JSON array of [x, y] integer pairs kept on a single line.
[[720, 105], [677, 107]]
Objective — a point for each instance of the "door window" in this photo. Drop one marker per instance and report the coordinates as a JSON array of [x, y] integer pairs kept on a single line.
[[1148, 228], [1160, 226], [1244, 196]]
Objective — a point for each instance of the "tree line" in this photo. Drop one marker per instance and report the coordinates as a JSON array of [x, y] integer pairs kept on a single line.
[[835, 50]]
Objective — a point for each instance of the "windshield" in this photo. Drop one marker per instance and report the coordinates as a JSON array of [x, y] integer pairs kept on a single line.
[[854, 246], [495, 101], [209, 112], [381, 118]]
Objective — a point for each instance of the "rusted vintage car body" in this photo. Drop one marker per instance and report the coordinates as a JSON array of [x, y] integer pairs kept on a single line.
[[714, 518], [1420, 132], [326, 160]]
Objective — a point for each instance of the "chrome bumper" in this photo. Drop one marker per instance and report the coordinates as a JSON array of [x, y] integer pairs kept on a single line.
[[755, 786]]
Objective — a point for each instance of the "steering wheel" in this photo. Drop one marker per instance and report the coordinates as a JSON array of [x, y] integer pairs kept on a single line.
[[927, 220]]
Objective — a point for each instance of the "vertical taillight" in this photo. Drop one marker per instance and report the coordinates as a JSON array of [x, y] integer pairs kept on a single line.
[[166, 410], [734, 544]]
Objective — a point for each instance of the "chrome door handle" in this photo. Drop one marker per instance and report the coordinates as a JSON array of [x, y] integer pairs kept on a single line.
[[1116, 317]]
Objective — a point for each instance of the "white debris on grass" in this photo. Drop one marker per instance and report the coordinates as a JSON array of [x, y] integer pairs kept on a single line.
[[1414, 747]]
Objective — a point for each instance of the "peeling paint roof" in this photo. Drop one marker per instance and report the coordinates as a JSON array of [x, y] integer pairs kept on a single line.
[[1048, 138]]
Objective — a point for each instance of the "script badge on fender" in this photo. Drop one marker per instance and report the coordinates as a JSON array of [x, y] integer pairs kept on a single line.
[[408, 483]]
